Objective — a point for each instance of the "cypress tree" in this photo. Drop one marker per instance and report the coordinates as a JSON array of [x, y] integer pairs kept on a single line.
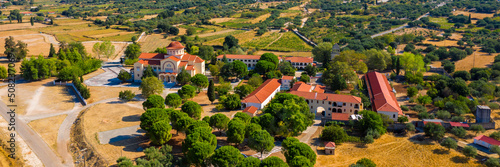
[[32, 21], [224, 59], [52, 51], [398, 66], [211, 91]]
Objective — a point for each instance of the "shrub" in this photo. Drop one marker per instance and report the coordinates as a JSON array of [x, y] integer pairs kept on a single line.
[[404, 108], [126, 95], [457, 119], [333, 133], [419, 108], [459, 132], [130, 61], [442, 114]]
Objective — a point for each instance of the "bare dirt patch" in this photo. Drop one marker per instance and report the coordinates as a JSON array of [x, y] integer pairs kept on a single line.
[[56, 99], [48, 129], [108, 116], [393, 151], [473, 15], [98, 93], [38, 44]]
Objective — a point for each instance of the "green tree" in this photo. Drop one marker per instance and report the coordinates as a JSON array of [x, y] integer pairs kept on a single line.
[[249, 162], [410, 127], [263, 66], [226, 156], [411, 91], [492, 162], [124, 76], [32, 21], [206, 52], [52, 51], [105, 49], [322, 53], [160, 132], [211, 91], [261, 141], [173, 100], [353, 60], [219, 121], [243, 117], [495, 135], [377, 60], [311, 70], [270, 57], [273, 161], [231, 101], [366, 162], [255, 80], [286, 68], [249, 129], [133, 51], [449, 143], [187, 92], [305, 78], [300, 149], [459, 132], [412, 64], [333, 133], [236, 131], [126, 95], [183, 123], [183, 77], [230, 41], [199, 153], [371, 120], [424, 100], [148, 72], [402, 119], [200, 81], [477, 128], [153, 101], [150, 86], [495, 149], [435, 131], [243, 90], [240, 69], [300, 161], [193, 109], [151, 116], [469, 151]]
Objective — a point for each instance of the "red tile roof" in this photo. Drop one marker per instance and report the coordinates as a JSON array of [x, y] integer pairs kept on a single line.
[[149, 62], [328, 97], [299, 59], [381, 95], [252, 110], [265, 90], [175, 45], [168, 73], [183, 63], [340, 116], [301, 86], [330, 145], [174, 58], [319, 89], [151, 56], [255, 57], [190, 67], [488, 140], [287, 77], [437, 123], [199, 60], [459, 124]]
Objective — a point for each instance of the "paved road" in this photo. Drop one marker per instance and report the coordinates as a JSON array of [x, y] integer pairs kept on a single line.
[[34, 141]]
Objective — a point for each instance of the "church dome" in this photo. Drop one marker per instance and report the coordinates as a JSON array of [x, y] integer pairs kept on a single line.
[[175, 45]]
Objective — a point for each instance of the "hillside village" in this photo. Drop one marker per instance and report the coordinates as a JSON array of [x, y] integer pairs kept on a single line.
[[240, 83]]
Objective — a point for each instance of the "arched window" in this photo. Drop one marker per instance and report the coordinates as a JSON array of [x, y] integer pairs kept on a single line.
[[339, 110], [335, 104], [356, 106], [307, 101]]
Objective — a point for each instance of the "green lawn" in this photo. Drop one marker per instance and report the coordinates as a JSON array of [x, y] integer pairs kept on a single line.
[[441, 21], [289, 42]]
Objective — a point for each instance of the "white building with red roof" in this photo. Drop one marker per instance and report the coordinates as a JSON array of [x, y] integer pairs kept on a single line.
[[286, 82], [251, 111], [251, 60], [167, 66], [381, 95], [486, 141], [300, 62], [262, 95], [331, 103]]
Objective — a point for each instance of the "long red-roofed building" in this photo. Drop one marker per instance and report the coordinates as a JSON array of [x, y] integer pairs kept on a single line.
[[486, 141], [381, 95], [169, 65], [262, 95], [251, 60]]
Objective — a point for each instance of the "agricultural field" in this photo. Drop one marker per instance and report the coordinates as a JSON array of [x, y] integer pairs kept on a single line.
[[86, 32], [219, 34], [38, 44], [149, 43], [389, 150], [263, 41], [237, 23], [443, 21], [289, 42], [242, 38]]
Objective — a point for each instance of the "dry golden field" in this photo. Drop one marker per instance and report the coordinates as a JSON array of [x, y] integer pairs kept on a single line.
[[480, 60], [48, 129], [389, 150], [286, 54], [18, 26], [149, 43]]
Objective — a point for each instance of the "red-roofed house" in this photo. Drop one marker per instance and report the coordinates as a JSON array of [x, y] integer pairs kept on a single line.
[[286, 81], [319, 89], [262, 95], [381, 95], [331, 103], [301, 87], [485, 141], [342, 117], [330, 148], [169, 65], [300, 62], [251, 110], [459, 124]]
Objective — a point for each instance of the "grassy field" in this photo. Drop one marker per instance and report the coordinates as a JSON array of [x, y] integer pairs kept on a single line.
[[395, 151], [441, 21], [263, 41], [149, 43], [48, 129], [84, 32], [289, 42], [237, 23], [219, 34], [242, 38]]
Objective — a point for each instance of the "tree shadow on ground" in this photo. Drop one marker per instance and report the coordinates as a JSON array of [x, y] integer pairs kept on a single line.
[[361, 145], [440, 151], [135, 144], [459, 159], [421, 139], [131, 118]]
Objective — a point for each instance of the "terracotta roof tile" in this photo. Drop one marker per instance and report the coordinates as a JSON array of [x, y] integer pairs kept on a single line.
[[183, 63], [459, 124], [287, 77], [319, 89], [381, 95], [340, 116], [199, 60], [299, 59], [265, 90], [328, 97], [255, 57], [301, 86], [174, 58], [151, 56], [488, 140], [330, 145], [149, 62], [190, 67], [251, 110], [175, 45]]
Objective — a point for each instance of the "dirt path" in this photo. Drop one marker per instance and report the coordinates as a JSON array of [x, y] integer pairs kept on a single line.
[[33, 104], [216, 33], [281, 34]]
